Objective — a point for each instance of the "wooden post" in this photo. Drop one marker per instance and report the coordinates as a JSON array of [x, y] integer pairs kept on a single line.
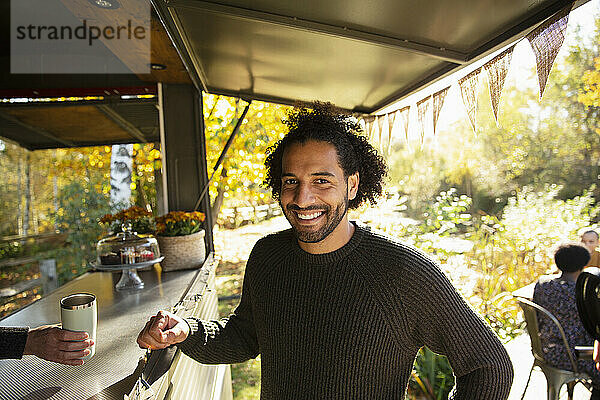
[[183, 148]]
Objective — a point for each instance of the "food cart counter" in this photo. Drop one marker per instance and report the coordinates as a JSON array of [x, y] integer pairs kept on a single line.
[[117, 364]]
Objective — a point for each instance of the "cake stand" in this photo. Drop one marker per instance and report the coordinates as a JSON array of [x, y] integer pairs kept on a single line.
[[130, 280]]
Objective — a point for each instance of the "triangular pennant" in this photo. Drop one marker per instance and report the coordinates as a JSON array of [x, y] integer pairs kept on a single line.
[[438, 103], [496, 69], [422, 107], [391, 119], [368, 125], [404, 113], [546, 41], [469, 88], [374, 127], [380, 124], [362, 123]]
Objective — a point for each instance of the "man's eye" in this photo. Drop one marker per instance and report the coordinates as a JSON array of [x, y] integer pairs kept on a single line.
[[320, 180], [289, 181]]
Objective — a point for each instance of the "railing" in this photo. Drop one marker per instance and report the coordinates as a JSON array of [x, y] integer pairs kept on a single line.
[[239, 216], [47, 236], [42, 268]]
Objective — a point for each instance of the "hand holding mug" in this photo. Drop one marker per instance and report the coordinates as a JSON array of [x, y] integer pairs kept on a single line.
[[163, 330], [52, 343]]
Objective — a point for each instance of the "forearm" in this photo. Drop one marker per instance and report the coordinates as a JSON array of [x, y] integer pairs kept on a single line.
[[225, 341]]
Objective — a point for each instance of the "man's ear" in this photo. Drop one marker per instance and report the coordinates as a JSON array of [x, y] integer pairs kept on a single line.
[[353, 181]]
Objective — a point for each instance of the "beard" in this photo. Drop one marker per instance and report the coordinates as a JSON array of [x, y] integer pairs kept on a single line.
[[333, 216]]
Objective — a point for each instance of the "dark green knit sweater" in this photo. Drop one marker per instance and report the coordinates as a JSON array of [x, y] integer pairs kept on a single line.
[[348, 324]]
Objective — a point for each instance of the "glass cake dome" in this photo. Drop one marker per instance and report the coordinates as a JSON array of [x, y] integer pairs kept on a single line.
[[126, 248]]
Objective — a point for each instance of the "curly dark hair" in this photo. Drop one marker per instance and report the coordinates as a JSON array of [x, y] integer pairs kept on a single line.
[[571, 257], [323, 122]]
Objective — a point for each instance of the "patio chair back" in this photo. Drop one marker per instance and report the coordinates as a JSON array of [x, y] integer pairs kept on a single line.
[[555, 377]]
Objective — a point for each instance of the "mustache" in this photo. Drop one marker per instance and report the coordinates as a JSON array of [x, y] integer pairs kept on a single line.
[[295, 207]]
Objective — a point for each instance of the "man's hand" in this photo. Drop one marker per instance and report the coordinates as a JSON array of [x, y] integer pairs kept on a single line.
[[58, 345], [163, 330]]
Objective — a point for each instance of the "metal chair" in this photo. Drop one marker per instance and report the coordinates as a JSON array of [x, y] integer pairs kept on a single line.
[[555, 377]]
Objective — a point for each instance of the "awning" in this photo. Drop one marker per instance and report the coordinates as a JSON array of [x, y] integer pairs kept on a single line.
[[358, 55]]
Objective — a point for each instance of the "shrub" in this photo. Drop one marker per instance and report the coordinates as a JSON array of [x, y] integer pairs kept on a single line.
[[79, 213], [515, 250], [432, 376], [486, 257]]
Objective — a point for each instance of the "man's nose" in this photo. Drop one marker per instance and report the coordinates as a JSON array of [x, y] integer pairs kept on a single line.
[[304, 195]]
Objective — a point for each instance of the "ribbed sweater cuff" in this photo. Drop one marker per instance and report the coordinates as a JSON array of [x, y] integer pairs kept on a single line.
[[193, 324], [196, 337], [12, 342]]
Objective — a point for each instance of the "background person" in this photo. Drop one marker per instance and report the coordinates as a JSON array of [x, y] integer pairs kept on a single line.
[[590, 241], [335, 310], [556, 293], [49, 342]]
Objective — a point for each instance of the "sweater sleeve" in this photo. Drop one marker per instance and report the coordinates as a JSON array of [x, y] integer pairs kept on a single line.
[[12, 342], [444, 322], [228, 340]]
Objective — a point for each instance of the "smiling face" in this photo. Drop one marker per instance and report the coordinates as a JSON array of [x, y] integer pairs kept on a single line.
[[315, 193], [590, 240]]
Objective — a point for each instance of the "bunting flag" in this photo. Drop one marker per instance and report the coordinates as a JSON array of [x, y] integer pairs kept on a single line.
[[404, 113], [546, 41], [380, 124], [438, 103], [469, 87], [362, 123], [422, 107], [368, 125], [391, 119], [496, 69], [374, 127]]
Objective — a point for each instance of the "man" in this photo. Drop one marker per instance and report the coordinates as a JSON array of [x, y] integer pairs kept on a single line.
[[48, 342], [590, 241], [335, 310]]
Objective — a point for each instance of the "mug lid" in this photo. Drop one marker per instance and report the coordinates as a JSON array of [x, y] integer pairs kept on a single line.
[[78, 301]]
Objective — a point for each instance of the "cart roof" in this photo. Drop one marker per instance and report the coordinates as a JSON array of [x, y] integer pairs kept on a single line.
[[359, 55]]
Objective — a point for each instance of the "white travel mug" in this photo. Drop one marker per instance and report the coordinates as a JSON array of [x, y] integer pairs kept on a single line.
[[78, 312]]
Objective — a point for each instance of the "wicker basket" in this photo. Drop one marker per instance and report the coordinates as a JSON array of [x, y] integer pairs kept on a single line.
[[182, 252]]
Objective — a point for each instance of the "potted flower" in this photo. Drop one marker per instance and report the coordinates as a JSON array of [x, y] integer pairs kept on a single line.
[[142, 221], [181, 240]]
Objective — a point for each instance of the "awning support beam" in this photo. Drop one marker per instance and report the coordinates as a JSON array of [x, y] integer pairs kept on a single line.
[[35, 129], [222, 156], [122, 122]]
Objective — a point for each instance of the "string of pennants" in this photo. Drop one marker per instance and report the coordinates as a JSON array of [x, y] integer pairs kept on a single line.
[[546, 41]]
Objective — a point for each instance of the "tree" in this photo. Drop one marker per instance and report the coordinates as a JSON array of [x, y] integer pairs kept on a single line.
[[80, 209], [591, 91], [589, 95], [537, 143], [121, 160], [238, 180]]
